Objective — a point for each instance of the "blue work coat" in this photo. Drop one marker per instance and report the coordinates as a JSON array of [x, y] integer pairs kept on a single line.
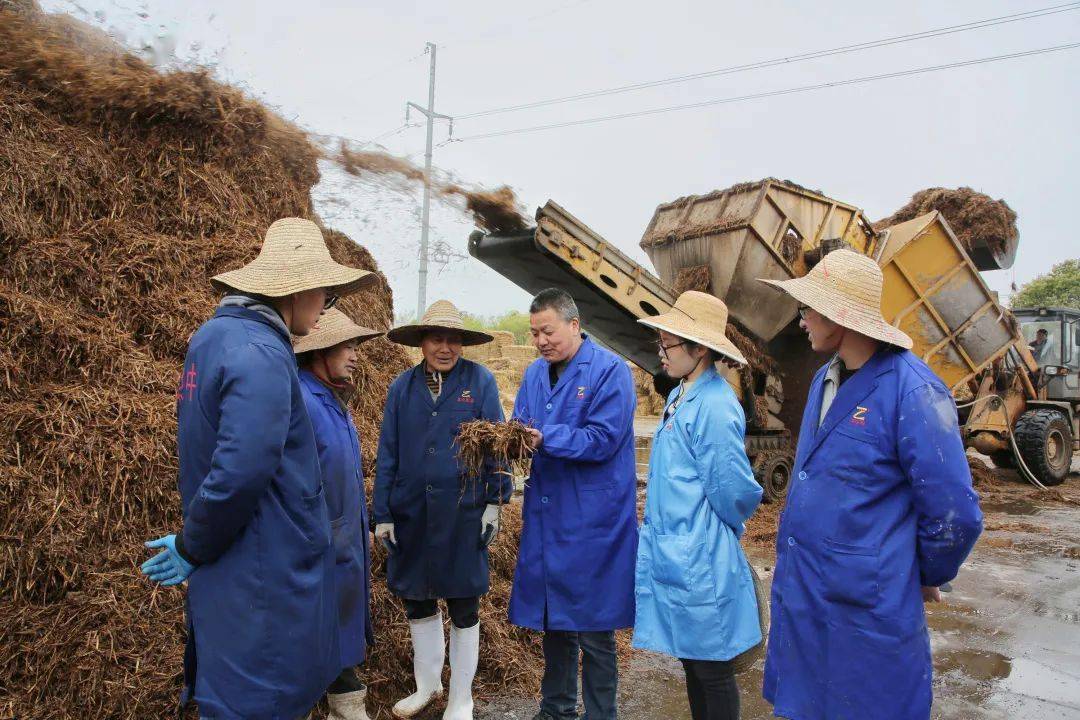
[[262, 612], [880, 504], [421, 488], [695, 594], [575, 568], [343, 484]]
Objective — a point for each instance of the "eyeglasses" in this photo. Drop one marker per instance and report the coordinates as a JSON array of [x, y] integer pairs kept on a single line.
[[803, 309], [331, 301], [664, 348]]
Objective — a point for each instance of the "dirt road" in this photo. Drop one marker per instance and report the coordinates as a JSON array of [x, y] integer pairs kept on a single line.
[[1006, 641]]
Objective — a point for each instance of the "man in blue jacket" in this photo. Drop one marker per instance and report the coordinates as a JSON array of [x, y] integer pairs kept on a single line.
[[575, 572], [327, 357], [435, 520], [879, 515], [255, 546]]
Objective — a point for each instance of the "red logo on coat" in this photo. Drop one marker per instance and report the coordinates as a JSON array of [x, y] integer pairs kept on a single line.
[[187, 384], [465, 397]]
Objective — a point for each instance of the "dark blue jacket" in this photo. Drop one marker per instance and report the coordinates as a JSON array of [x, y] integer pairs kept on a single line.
[[880, 504], [419, 485], [262, 612], [579, 539], [343, 484]]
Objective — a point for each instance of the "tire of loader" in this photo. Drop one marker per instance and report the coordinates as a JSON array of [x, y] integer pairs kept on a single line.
[[1044, 439], [772, 470]]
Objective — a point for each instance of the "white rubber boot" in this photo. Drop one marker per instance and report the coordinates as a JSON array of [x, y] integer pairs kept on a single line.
[[348, 706], [464, 655], [429, 653]]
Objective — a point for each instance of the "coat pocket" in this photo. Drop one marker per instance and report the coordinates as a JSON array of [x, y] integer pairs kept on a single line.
[[851, 574], [684, 565], [315, 523], [340, 534]]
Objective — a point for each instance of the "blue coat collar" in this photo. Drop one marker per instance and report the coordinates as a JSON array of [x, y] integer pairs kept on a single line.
[[854, 390], [235, 311], [452, 381], [583, 356]]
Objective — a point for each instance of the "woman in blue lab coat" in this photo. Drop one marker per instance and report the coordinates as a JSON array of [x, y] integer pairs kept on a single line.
[[694, 589]]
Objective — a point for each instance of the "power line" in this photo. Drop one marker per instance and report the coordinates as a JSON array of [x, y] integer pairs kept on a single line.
[[883, 42], [386, 69], [773, 93], [502, 28]]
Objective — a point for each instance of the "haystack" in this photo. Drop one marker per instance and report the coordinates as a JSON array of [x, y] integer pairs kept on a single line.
[[977, 219], [122, 190]]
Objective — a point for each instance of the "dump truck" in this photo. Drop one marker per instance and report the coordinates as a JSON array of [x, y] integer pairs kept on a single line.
[[724, 241]]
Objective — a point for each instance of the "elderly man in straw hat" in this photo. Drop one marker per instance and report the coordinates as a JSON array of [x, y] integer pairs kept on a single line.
[[695, 589], [435, 522], [328, 357], [879, 515], [575, 572], [255, 546]]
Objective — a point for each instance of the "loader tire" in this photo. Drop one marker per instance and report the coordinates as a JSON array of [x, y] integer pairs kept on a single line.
[[1045, 441], [772, 470]]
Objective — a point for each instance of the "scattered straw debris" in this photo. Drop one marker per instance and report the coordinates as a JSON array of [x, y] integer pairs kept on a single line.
[[976, 218], [482, 443], [495, 210]]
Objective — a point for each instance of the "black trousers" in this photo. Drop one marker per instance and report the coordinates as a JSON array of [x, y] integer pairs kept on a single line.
[[599, 674], [712, 690], [464, 612]]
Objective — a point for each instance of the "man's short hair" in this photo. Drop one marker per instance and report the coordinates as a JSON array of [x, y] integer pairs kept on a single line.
[[1042, 330], [555, 299]]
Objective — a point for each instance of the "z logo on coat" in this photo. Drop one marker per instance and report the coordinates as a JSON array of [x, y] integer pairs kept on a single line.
[[466, 397], [581, 392], [859, 416]]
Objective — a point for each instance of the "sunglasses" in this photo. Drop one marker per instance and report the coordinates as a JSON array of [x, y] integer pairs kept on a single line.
[[803, 309], [331, 301]]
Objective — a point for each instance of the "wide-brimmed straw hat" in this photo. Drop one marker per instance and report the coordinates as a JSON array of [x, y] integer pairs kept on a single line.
[[700, 318], [293, 258], [845, 287], [333, 328], [442, 315]]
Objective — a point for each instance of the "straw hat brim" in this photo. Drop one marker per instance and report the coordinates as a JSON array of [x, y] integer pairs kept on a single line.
[[679, 324], [834, 306], [411, 335], [324, 340], [274, 278]]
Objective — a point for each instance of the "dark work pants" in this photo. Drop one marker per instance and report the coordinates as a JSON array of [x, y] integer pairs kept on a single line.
[[599, 674], [464, 612], [712, 690]]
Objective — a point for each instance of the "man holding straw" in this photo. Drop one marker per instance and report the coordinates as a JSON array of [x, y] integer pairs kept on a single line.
[[255, 546], [435, 521], [575, 573]]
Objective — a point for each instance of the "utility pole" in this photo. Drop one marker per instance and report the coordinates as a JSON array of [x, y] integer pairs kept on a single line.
[[431, 115]]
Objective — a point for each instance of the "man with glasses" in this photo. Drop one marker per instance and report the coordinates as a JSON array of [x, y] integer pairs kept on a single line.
[[255, 547], [575, 573]]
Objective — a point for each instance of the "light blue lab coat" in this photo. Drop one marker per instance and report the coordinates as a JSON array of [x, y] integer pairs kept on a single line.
[[694, 592]]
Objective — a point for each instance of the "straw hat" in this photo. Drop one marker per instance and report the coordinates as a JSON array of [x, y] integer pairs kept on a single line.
[[845, 287], [293, 258], [701, 318], [442, 315], [333, 328]]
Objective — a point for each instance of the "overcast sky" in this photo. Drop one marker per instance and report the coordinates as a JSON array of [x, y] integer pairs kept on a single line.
[[346, 68]]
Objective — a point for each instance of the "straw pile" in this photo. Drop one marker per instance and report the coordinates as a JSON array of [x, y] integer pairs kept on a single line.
[[122, 190], [977, 219], [482, 443]]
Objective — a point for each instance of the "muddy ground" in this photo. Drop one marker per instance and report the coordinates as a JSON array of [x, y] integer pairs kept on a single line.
[[1006, 641]]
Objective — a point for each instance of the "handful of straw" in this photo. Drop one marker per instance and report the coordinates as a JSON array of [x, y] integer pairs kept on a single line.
[[506, 444]]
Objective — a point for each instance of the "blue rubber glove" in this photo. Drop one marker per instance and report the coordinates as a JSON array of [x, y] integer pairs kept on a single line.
[[167, 567]]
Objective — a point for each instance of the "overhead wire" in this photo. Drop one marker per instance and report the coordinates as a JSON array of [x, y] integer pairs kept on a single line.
[[767, 94], [812, 55]]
